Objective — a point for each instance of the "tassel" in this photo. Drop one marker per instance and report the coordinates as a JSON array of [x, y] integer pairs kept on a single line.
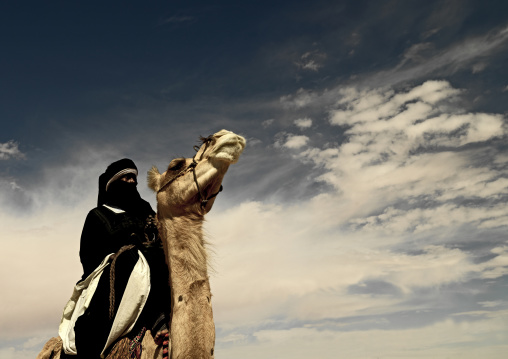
[[165, 347]]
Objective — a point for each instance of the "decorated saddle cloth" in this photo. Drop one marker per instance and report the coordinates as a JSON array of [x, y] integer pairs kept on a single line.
[[129, 310]]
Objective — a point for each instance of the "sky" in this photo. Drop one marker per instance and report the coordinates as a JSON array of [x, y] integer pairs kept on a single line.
[[367, 216]]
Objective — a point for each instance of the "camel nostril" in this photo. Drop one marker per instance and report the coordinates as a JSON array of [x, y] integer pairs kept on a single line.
[[211, 352], [180, 298]]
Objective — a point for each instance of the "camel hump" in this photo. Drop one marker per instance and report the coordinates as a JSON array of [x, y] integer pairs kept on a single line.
[[153, 179]]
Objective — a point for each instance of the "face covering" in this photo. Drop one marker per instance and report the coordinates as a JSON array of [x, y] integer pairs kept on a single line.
[[124, 195]]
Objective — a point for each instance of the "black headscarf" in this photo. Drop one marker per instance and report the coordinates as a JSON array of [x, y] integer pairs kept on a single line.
[[119, 193]]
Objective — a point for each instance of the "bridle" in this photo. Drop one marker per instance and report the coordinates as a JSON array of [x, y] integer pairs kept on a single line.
[[192, 167]]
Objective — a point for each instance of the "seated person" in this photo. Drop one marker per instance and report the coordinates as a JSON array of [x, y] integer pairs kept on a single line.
[[121, 218]]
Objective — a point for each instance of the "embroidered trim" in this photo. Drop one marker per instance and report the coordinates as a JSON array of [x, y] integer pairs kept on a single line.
[[135, 347]]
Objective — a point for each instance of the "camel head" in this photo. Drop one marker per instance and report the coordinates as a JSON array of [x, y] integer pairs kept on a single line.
[[190, 185]]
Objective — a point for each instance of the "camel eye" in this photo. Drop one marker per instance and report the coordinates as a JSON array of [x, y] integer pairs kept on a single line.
[[177, 164]]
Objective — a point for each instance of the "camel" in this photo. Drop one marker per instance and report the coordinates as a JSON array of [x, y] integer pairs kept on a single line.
[[185, 192]]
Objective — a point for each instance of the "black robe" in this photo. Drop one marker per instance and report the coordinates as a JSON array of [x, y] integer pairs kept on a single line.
[[105, 232]]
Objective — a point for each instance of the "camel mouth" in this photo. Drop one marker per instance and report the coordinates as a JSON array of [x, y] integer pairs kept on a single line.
[[228, 148]]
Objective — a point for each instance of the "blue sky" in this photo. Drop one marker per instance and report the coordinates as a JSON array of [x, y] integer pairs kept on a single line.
[[367, 216]]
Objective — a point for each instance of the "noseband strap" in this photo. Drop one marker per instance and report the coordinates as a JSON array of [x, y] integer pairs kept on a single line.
[[193, 165], [204, 200]]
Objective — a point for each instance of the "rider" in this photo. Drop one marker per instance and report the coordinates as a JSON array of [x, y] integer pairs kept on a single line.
[[122, 218]]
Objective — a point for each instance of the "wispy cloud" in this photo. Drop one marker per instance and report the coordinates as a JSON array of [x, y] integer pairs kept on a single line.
[[419, 61], [267, 123], [311, 60], [10, 149], [447, 338], [291, 141], [423, 59], [412, 146], [303, 122]]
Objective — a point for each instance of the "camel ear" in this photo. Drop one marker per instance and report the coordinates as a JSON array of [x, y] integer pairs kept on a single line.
[[153, 179]]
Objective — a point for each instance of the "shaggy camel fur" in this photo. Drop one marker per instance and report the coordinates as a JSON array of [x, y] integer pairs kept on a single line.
[[185, 193]]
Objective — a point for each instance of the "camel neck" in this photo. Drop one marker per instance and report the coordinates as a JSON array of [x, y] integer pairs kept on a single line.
[[184, 247]]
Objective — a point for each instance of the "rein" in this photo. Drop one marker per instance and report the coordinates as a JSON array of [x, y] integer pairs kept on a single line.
[[192, 167]]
